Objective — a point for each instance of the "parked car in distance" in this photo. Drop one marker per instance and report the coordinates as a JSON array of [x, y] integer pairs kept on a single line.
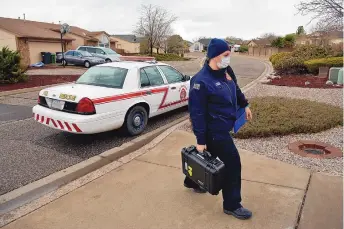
[[82, 58], [107, 54]]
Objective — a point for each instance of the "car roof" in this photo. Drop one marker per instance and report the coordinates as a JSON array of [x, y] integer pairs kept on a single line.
[[131, 64]]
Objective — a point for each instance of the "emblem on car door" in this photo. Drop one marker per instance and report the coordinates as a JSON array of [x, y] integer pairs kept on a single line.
[[182, 93]]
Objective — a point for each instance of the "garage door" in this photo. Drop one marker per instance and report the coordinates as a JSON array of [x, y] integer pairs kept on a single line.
[[37, 47]]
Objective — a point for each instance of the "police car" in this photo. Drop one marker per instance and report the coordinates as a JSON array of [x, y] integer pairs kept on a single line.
[[113, 95]]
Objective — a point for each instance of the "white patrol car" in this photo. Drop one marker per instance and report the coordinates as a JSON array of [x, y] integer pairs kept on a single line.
[[113, 95]]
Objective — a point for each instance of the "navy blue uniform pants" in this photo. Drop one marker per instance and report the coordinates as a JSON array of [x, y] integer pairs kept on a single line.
[[231, 187]]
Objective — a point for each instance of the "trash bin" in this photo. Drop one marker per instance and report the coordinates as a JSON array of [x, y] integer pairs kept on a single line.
[[46, 57], [53, 58], [340, 77]]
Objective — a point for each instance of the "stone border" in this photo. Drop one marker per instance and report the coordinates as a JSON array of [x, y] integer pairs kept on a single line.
[[331, 151]]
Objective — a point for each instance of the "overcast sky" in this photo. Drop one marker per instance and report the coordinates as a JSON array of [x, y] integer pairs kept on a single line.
[[246, 19]]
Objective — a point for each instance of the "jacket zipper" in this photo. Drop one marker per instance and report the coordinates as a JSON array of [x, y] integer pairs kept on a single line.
[[230, 91]]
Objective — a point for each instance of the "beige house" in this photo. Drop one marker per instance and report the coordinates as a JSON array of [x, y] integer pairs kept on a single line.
[[129, 43], [31, 38], [259, 43], [321, 38]]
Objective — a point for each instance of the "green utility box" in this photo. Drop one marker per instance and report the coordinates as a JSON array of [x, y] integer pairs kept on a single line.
[[53, 58]]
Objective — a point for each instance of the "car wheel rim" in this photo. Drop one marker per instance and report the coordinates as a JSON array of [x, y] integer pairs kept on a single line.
[[87, 64], [138, 121]]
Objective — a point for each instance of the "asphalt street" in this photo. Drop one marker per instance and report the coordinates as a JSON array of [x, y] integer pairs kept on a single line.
[[30, 151]]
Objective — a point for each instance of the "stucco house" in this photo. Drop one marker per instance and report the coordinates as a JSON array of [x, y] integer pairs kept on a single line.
[[320, 38], [259, 43], [200, 45], [129, 43], [31, 38]]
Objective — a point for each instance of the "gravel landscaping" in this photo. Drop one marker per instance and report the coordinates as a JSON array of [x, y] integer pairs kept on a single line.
[[277, 147]]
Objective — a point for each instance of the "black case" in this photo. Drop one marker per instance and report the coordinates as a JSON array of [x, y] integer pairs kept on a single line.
[[203, 169]]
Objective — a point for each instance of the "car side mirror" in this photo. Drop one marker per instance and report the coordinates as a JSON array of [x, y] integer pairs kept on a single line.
[[186, 78]]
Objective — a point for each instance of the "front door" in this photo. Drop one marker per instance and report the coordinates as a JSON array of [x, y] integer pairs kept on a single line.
[[178, 92]]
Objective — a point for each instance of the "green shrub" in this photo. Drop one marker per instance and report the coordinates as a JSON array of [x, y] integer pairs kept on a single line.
[[243, 48], [10, 69], [307, 52], [314, 64], [169, 57], [275, 57], [278, 116], [293, 63]]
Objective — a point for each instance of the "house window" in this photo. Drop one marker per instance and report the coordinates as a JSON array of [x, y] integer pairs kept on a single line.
[[104, 41]]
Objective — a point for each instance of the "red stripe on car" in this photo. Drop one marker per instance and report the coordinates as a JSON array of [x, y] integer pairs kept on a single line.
[[54, 123], [129, 95], [67, 125], [37, 117], [76, 128], [42, 119], [60, 123]]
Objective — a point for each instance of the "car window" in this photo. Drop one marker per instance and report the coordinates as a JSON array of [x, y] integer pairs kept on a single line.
[[104, 76], [91, 50], [82, 48], [78, 54], [99, 51], [154, 76], [144, 79], [69, 53], [171, 74]]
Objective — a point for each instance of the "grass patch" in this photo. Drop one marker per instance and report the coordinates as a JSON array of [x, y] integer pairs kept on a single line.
[[277, 116]]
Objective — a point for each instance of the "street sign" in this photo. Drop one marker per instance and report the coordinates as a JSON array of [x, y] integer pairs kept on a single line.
[[64, 28]]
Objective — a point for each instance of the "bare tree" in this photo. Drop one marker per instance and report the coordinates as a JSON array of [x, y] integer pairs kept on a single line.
[[155, 24], [327, 13]]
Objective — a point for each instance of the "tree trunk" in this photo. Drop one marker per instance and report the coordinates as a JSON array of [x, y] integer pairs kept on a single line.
[[157, 50]]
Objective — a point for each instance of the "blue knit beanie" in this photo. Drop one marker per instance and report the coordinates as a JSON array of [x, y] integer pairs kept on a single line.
[[216, 47]]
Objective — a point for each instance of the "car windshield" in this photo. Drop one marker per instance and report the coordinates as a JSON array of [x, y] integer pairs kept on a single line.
[[85, 53], [109, 51], [104, 76]]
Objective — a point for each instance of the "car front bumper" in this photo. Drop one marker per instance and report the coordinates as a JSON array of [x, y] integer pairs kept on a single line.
[[76, 123]]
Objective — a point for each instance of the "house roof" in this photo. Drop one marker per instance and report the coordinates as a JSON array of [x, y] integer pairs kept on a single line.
[[129, 37], [261, 42], [31, 29], [204, 41]]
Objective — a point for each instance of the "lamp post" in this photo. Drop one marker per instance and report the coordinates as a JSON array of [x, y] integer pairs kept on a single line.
[[64, 29]]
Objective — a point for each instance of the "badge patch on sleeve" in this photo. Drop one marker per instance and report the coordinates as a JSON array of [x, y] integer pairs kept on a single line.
[[197, 86]]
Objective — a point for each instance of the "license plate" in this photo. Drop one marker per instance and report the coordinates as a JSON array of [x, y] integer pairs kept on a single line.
[[55, 104]]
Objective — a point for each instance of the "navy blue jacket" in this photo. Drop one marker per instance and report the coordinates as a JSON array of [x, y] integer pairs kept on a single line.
[[213, 102]]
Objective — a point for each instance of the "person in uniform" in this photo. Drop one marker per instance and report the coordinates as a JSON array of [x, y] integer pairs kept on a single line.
[[214, 99]]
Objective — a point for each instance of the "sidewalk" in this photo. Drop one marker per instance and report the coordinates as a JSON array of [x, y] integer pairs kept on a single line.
[[148, 193]]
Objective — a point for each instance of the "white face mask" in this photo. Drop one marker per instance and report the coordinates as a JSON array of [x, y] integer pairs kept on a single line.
[[224, 62]]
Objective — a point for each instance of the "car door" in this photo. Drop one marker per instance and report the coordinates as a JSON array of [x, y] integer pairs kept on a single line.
[[178, 90], [78, 58], [155, 88], [69, 57]]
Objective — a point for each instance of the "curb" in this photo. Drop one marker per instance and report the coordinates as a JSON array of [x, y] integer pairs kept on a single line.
[[35, 190], [268, 70]]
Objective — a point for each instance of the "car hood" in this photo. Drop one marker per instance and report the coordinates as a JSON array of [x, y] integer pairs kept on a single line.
[[75, 92]]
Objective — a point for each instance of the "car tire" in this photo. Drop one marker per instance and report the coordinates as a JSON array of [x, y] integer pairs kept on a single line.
[[87, 64], [136, 120], [108, 61], [64, 63]]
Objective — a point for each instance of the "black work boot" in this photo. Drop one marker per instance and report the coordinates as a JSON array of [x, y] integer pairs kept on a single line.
[[196, 189], [240, 213]]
